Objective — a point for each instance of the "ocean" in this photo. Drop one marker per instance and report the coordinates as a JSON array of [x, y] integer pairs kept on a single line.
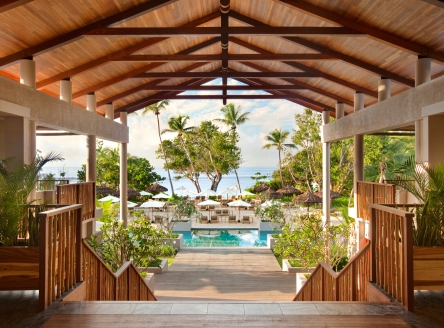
[[227, 181]]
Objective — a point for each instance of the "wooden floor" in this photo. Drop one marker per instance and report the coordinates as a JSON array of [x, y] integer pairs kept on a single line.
[[222, 321], [241, 274]]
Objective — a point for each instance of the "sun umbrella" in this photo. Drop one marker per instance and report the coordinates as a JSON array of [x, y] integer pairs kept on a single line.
[[111, 198], [228, 192], [181, 188], [207, 193], [308, 198], [239, 204], [289, 190], [157, 188], [153, 204], [183, 191], [208, 202], [333, 194], [161, 195], [104, 190], [260, 188], [145, 193], [246, 193], [270, 202], [131, 204]]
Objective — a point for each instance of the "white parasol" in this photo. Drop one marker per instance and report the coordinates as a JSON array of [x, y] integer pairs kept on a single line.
[[239, 204], [111, 198]]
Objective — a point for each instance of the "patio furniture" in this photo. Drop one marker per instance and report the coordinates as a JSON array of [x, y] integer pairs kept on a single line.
[[158, 219], [218, 212], [232, 219], [246, 219], [203, 208], [225, 212], [211, 207], [214, 219]]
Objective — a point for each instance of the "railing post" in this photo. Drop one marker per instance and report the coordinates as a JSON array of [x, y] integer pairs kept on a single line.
[[78, 215], [373, 245], [353, 281], [43, 263], [408, 263]]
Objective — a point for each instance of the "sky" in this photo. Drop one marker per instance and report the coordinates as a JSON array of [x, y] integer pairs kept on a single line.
[[265, 116]]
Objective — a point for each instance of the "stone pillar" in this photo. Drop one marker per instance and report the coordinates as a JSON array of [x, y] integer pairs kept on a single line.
[[384, 85], [109, 111], [123, 176], [66, 90], [422, 75], [339, 110], [27, 72], [91, 142], [326, 173], [359, 149]]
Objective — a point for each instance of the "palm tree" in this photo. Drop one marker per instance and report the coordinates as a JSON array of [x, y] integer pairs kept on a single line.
[[277, 139], [233, 117], [178, 125], [155, 109]]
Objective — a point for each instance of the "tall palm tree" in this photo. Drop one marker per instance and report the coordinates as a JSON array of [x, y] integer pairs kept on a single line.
[[233, 117], [155, 109], [178, 124], [277, 139]]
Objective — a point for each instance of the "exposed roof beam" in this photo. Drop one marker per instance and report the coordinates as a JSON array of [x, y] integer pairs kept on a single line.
[[217, 31], [224, 19], [230, 74], [145, 86], [200, 97], [310, 70], [6, 5], [220, 87], [218, 57], [142, 69], [116, 55], [336, 54], [303, 85], [438, 3], [71, 36], [371, 31]]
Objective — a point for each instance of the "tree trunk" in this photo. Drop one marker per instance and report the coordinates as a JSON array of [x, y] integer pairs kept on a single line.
[[215, 182], [280, 168], [164, 156], [193, 172], [237, 178]]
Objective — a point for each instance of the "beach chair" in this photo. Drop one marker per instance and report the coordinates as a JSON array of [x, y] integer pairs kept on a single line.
[[246, 219], [203, 208], [158, 219], [219, 213], [225, 212], [214, 219], [232, 219], [211, 207]]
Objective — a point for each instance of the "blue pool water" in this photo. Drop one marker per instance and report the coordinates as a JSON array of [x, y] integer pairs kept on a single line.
[[224, 238]]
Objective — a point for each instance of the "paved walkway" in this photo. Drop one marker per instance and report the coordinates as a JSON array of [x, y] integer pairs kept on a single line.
[[240, 274]]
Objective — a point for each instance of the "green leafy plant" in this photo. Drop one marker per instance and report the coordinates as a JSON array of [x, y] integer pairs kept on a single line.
[[427, 185], [17, 181]]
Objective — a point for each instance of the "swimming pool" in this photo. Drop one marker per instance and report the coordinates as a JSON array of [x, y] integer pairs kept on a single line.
[[224, 238]]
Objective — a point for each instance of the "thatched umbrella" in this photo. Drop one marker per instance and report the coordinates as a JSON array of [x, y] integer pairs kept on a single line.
[[333, 194], [289, 190], [104, 190], [273, 194], [260, 188], [157, 188], [308, 198], [130, 193]]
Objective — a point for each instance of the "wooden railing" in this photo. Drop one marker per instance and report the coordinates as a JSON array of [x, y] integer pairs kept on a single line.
[[79, 193], [103, 285], [50, 184], [60, 252], [349, 285], [391, 233], [373, 193]]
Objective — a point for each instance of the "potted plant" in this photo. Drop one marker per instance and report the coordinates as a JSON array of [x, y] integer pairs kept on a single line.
[[426, 183], [19, 227], [272, 217], [183, 213]]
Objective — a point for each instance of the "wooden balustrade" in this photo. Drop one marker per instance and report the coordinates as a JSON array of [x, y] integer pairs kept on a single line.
[[60, 252], [50, 184], [349, 285], [79, 193], [392, 252], [373, 193], [103, 285]]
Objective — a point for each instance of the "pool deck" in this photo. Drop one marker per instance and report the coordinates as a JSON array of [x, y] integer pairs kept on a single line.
[[215, 274]]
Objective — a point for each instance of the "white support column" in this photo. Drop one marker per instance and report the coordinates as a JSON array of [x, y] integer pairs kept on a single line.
[[66, 90], [123, 176], [359, 149], [339, 110], [422, 75], [91, 103], [384, 86], [27, 72], [326, 173], [109, 111], [91, 142]]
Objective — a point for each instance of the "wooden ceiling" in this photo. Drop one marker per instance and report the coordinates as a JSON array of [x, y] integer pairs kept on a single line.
[[136, 52]]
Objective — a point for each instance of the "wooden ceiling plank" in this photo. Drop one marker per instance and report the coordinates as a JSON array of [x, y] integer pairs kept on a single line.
[[438, 3], [218, 57], [74, 35], [142, 69], [230, 74], [6, 5], [118, 54], [146, 86], [310, 69], [336, 54], [371, 31], [217, 31], [303, 85]]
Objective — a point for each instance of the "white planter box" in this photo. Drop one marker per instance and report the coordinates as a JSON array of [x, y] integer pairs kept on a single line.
[[269, 226], [286, 266], [181, 226], [163, 268], [271, 242], [300, 281], [175, 242]]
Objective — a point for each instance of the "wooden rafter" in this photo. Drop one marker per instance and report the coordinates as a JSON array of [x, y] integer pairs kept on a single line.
[[141, 70], [71, 36], [230, 74], [6, 5], [201, 97], [217, 31], [118, 54], [438, 3], [311, 70], [371, 31], [336, 54], [218, 57], [221, 87]]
